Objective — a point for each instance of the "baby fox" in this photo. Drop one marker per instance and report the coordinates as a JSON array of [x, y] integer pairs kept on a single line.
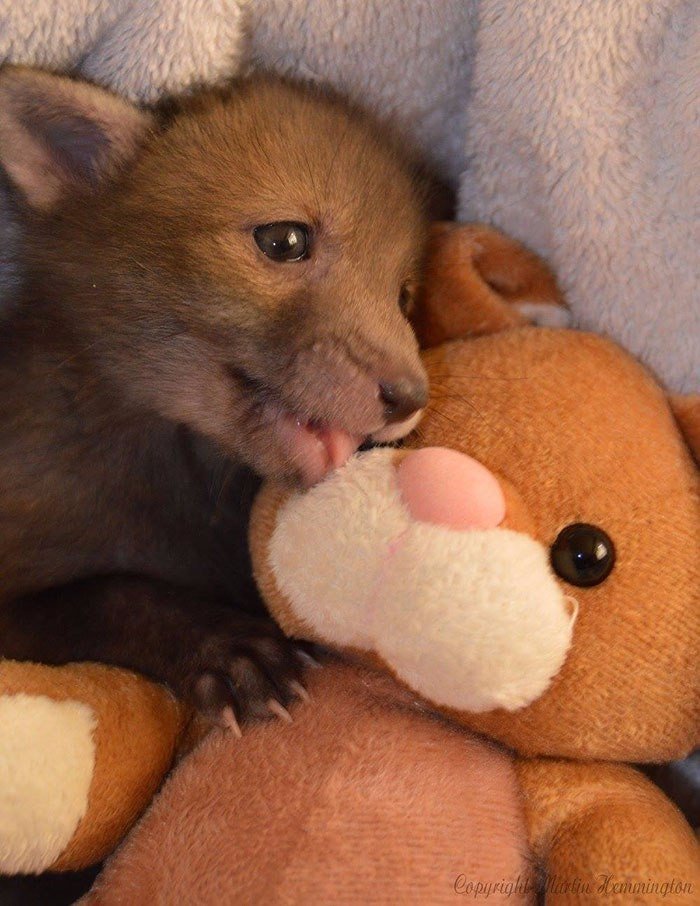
[[204, 294]]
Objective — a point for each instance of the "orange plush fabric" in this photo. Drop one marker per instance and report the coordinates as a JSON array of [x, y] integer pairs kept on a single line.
[[606, 826], [585, 435], [363, 799], [131, 729], [474, 262]]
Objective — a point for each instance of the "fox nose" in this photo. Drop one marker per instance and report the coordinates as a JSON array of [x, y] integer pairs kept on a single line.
[[401, 398]]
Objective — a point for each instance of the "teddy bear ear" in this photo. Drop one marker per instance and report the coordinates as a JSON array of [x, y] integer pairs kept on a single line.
[[686, 410], [479, 281]]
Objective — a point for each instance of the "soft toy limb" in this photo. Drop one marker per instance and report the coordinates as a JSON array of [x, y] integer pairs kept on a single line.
[[364, 798], [83, 748], [604, 833]]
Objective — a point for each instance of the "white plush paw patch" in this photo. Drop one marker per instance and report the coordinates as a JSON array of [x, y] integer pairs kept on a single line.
[[47, 758]]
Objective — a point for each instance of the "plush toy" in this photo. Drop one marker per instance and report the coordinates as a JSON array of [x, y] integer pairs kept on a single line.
[[82, 750], [525, 567]]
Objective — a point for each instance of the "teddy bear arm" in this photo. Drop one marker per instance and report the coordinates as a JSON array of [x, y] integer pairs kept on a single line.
[[593, 826], [83, 748]]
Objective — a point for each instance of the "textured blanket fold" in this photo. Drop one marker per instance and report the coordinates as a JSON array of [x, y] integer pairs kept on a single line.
[[139, 48], [583, 140]]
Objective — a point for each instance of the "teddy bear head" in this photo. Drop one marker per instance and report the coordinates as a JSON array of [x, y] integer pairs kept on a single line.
[[527, 562]]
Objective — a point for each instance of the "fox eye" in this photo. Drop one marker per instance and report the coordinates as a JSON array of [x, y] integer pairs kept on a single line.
[[406, 299], [283, 241], [582, 554]]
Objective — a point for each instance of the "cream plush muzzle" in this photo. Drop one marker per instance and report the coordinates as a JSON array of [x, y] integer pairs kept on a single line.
[[470, 619]]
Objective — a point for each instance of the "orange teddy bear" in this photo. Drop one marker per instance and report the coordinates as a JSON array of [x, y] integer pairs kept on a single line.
[[524, 574]]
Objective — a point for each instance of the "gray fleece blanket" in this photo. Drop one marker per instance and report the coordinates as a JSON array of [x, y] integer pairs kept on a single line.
[[573, 125]]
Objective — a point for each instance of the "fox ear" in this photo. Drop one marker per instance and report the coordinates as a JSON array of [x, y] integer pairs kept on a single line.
[[59, 136], [478, 281], [686, 409]]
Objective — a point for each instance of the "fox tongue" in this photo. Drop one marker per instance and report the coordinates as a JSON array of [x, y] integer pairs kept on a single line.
[[338, 444], [315, 449]]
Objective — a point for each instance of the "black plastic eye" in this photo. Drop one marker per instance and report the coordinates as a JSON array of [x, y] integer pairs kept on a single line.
[[582, 554], [283, 241], [406, 299]]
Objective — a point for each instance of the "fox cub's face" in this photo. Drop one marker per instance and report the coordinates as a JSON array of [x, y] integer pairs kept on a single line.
[[245, 268]]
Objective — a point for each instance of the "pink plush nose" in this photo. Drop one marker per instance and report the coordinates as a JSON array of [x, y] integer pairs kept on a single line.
[[448, 488]]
